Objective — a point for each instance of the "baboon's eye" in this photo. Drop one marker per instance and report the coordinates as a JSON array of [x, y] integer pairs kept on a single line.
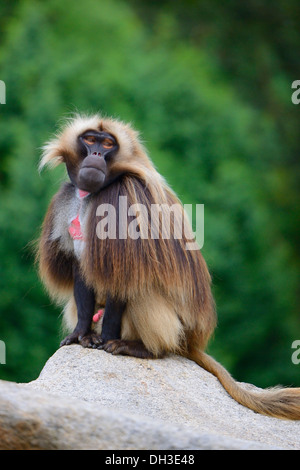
[[107, 143], [89, 139]]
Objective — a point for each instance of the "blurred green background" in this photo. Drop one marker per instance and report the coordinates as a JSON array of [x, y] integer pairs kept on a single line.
[[208, 84]]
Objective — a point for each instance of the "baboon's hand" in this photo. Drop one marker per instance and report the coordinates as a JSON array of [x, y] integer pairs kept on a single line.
[[88, 340]]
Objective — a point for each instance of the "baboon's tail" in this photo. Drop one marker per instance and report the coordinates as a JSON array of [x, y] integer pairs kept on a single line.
[[277, 402]]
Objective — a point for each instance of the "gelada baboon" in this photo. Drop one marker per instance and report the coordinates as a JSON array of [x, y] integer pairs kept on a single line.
[[155, 292]]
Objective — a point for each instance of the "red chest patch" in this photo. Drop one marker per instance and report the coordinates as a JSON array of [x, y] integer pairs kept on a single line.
[[75, 229]]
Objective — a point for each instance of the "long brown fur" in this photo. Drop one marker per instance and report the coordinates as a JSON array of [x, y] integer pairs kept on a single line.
[[167, 288]]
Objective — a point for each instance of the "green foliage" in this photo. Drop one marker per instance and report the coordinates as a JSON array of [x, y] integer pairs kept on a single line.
[[206, 134]]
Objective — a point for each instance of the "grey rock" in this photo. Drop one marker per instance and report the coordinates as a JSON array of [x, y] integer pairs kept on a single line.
[[88, 399]]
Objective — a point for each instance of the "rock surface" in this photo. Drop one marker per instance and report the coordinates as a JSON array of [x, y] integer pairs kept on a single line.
[[88, 399]]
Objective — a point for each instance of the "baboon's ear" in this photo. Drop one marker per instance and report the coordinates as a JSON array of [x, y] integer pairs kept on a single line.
[[52, 154]]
